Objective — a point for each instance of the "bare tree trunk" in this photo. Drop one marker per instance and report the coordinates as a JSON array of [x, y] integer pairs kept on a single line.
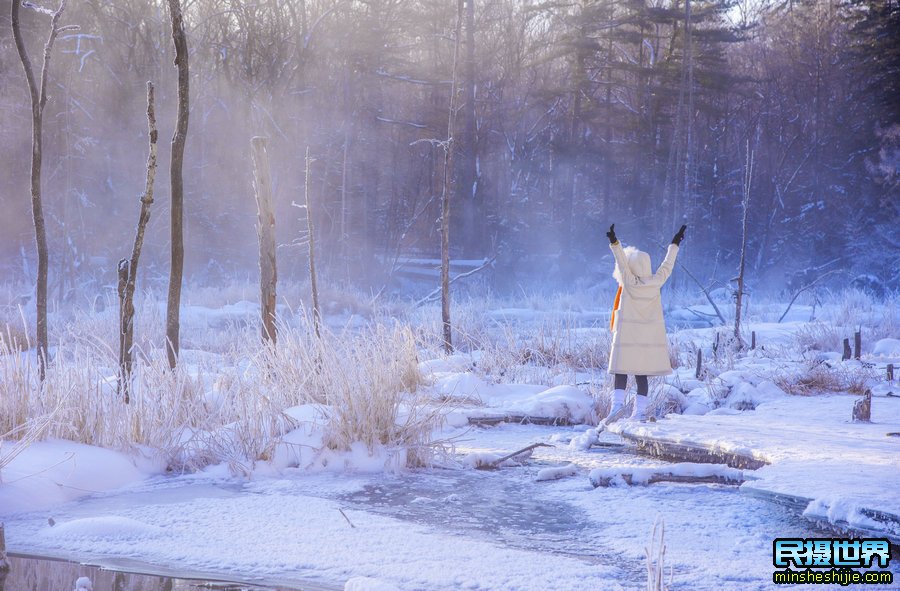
[[344, 238], [739, 296], [176, 272], [265, 230], [38, 102], [128, 267], [449, 148], [466, 188], [313, 280]]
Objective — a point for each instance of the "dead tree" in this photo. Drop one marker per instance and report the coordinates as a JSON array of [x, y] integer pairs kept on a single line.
[[176, 271], [313, 280], [466, 186], [265, 230], [449, 148], [38, 92], [128, 267], [801, 290], [739, 295]]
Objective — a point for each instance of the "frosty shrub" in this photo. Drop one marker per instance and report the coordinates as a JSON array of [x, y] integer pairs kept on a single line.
[[674, 353], [819, 377], [655, 554], [367, 382], [543, 353], [15, 379], [14, 328], [820, 336], [370, 385]]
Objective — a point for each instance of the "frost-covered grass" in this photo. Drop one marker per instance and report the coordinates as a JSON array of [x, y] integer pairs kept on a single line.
[[227, 399]]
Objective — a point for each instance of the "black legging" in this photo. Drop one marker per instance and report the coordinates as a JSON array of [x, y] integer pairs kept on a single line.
[[622, 383]]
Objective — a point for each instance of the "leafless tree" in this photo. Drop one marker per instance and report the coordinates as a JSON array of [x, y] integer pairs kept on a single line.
[[176, 272], [446, 190], [128, 267], [39, 96]]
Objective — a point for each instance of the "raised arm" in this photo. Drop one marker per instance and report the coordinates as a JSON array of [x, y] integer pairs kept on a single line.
[[621, 260], [665, 269], [622, 263]]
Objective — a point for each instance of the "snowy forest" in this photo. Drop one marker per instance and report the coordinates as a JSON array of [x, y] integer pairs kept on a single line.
[[567, 115], [431, 295]]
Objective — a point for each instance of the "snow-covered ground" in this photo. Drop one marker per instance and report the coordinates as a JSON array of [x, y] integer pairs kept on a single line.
[[357, 518], [841, 469]]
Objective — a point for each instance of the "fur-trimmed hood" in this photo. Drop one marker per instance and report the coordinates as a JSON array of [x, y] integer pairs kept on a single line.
[[638, 262]]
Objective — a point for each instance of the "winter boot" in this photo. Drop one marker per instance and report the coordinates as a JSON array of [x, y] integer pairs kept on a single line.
[[639, 412], [617, 407]]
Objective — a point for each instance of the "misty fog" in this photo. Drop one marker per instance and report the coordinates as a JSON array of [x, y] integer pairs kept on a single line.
[[569, 117]]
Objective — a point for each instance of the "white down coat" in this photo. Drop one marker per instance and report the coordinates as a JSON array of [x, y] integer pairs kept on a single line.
[[639, 345]]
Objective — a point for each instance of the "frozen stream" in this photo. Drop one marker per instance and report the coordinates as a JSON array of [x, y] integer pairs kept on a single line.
[[427, 529]]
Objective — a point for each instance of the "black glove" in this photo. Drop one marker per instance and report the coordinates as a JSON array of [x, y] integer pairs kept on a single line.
[[679, 236], [612, 234]]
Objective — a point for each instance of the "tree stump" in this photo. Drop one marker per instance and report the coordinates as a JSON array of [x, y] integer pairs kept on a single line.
[[857, 344], [4, 564], [699, 363], [862, 408], [846, 354]]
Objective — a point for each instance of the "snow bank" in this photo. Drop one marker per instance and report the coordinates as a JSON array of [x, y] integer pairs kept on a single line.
[[107, 527], [48, 473], [887, 348], [368, 584], [561, 402], [745, 396], [813, 449]]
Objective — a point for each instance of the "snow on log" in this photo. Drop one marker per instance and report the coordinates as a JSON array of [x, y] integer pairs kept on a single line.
[[686, 472], [557, 472], [491, 461]]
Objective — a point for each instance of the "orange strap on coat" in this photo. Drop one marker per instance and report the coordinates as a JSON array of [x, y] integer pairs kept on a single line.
[[612, 317]]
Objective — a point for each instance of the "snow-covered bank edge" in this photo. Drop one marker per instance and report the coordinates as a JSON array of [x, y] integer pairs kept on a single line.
[[135, 567], [806, 454]]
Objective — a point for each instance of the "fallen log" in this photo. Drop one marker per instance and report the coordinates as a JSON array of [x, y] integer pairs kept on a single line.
[[491, 421], [683, 473], [494, 464]]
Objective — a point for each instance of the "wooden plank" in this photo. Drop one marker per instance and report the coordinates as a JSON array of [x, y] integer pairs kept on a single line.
[[689, 452]]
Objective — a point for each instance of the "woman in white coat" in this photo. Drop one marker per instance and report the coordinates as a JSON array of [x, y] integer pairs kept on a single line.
[[639, 344]]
